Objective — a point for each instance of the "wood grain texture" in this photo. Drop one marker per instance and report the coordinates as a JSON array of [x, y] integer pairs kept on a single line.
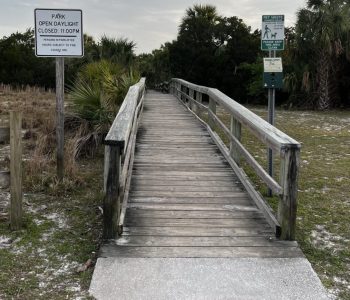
[[185, 200], [60, 116], [16, 170], [112, 250], [122, 124]]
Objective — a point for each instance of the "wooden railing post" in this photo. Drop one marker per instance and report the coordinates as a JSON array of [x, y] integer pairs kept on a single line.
[[237, 132], [111, 204], [16, 170], [287, 209], [191, 104], [212, 108]]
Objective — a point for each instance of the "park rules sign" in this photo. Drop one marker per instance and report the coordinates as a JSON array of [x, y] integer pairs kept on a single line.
[[272, 32], [59, 32]]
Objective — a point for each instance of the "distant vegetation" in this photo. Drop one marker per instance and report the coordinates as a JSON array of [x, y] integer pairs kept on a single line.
[[217, 51], [223, 52]]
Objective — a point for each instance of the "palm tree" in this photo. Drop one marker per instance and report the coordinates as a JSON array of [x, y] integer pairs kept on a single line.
[[322, 33], [120, 51], [199, 21]]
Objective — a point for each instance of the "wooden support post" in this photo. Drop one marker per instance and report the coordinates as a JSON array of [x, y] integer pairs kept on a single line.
[[60, 116], [106, 166], [237, 132], [199, 97], [212, 108], [191, 104], [111, 205], [287, 209], [16, 170]]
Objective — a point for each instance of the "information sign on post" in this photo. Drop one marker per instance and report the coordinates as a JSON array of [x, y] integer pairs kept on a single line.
[[273, 73], [59, 33], [272, 32]]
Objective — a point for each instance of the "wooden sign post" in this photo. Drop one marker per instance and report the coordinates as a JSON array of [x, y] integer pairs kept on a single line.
[[60, 116], [59, 33], [16, 170]]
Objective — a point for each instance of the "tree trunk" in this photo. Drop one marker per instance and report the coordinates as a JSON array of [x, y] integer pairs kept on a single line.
[[323, 82]]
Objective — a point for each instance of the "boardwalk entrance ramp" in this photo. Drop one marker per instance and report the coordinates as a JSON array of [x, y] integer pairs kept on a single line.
[[191, 230]]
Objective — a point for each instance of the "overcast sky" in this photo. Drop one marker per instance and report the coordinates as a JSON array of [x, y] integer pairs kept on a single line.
[[149, 23]]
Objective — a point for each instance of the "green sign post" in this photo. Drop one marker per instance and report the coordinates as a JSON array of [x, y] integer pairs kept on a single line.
[[272, 32]]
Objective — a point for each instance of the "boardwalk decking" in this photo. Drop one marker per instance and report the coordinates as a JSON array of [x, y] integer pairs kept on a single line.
[[185, 200]]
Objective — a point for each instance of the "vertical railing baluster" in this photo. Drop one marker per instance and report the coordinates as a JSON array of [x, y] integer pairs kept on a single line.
[[212, 109], [111, 204], [237, 132], [287, 209]]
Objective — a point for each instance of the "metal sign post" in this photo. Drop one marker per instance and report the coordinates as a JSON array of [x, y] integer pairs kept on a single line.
[[59, 33], [271, 116], [272, 39]]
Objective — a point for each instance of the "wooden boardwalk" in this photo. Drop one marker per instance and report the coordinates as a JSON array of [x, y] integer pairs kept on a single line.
[[185, 200]]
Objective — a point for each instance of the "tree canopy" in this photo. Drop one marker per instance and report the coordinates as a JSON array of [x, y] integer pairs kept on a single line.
[[217, 51]]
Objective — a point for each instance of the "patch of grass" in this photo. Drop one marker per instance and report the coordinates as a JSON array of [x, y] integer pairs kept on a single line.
[[60, 233], [323, 227]]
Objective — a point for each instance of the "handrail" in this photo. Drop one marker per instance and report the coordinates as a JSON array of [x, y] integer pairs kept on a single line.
[[119, 158], [288, 148], [267, 133]]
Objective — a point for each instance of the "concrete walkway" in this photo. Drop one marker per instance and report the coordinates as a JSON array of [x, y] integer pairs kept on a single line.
[[205, 278]]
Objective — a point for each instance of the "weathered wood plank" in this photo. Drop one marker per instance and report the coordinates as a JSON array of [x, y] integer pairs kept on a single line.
[[192, 241], [188, 214], [229, 252], [240, 223], [180, 194], [177, 188], [218, 178], [183, 182], [199, 172], [122, 124], [199, 231], [192, 205]]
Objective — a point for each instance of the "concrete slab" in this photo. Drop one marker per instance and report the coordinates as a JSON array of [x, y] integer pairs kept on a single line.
[[205, 278]]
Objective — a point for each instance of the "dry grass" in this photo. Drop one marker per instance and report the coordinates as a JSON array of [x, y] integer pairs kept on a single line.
[[38, 107], [62, 222]]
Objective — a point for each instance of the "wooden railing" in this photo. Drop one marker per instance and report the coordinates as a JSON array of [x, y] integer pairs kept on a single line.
[[289, 149], [119, 157]]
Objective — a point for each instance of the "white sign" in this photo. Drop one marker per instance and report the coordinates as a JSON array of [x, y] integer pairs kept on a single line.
[[59, 32], [273, 65], [272, 32]]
